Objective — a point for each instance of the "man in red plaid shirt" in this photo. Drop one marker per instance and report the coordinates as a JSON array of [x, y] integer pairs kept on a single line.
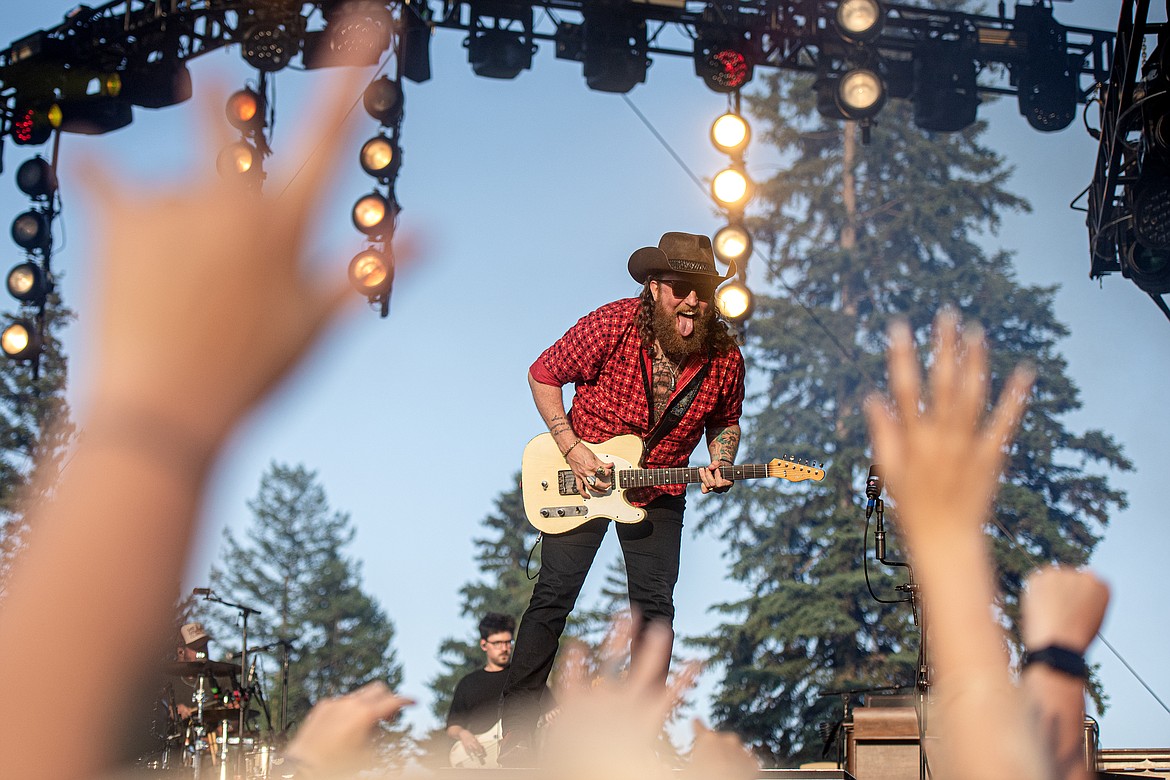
[[664, 367]]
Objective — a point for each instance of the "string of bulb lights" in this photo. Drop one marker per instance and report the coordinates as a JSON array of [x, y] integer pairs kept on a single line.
[[30, 281]]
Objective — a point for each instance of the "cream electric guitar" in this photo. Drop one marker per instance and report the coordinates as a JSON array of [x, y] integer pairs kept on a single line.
[[490, 740], [553, 505]]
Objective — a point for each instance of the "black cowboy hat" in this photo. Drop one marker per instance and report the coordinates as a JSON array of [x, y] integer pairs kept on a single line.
[[676, 253]]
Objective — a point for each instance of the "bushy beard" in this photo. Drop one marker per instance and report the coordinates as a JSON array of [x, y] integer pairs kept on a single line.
[[676, 346]]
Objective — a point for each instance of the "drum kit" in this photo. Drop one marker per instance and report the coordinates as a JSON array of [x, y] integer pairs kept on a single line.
[[207, 723]]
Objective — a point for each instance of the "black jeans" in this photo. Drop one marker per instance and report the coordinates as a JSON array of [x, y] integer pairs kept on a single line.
[[651, 550]]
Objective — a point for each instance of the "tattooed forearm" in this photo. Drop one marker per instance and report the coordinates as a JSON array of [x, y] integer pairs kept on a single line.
[[558, 424], [723, 443]]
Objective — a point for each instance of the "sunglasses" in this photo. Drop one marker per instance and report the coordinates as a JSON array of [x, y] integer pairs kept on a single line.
[[682, 289]]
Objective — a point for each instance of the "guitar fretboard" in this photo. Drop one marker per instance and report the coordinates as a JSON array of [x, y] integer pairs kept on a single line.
[[631, 478]]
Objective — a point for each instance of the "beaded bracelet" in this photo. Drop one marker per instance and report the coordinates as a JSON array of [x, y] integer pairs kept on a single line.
[[565, 454]]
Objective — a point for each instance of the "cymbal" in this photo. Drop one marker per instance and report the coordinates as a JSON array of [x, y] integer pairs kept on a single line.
[[196, 668], [216, 714]]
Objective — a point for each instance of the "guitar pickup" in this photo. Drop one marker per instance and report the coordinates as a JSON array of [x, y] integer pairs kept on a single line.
[[564, 511]]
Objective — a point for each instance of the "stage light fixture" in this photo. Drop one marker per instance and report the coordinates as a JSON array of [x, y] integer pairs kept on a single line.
[[859, 20], [356, 33], [724, 61], [731, 187], [26, 282], [1047, 97], [380, 158], [373, 214], [1047, 89], [31, 126], [732, 244], [157, 85], [30, 230], [1148, 268], [860, 94], [371, 273], [1151, 209], [825, 88], [20, 340], [416, 41], [383, 101], [36, 178], [238, 159], [734, 301], [499, 53], [270, 46], [730, 133], [613, 49], [245, 110], [92, 115], [946, 95]]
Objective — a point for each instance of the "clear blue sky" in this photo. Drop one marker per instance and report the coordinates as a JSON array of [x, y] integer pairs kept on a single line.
[[533, 193]]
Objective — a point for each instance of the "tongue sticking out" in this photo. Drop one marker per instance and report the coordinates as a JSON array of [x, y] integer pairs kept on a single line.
[[685, 325]]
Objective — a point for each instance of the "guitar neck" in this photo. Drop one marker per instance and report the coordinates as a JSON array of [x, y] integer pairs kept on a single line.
[[634, 478]]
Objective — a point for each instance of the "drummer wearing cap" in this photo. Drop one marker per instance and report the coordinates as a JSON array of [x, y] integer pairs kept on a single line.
[[664, 367], [191, 653]]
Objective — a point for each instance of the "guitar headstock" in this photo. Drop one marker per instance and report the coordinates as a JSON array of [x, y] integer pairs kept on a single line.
[[796, 470]]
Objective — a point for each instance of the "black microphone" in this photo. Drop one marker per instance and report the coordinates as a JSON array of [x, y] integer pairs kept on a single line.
[[873, 489], [201, 592]]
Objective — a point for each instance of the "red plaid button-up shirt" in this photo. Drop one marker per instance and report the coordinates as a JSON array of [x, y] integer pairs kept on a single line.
[[602, 355]]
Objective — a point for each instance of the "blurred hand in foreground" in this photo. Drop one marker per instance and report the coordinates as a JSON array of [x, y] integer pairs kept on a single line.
[[335, 741]]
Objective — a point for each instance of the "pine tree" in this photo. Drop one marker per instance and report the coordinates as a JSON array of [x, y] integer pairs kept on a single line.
[[35, 431], [292, 567], [856, 235]]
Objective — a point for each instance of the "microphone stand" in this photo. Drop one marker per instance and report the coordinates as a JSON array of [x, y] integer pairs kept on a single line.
[[918, 611], [285, 645], [244, 613]]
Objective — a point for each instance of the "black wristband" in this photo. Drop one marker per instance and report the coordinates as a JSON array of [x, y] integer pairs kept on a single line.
[[1059, 658]]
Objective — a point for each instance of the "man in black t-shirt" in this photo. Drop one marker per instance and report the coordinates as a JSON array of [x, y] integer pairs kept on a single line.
[[474, 716]]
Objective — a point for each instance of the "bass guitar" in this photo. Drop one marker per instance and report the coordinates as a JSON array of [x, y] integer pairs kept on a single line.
[[553, 505]]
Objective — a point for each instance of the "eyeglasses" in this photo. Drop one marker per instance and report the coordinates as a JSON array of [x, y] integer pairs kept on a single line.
[[500, 642], [682, 289]]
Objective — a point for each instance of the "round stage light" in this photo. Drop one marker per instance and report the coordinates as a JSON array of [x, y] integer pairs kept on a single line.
[[36, 178], [380, 158], [734, 301], [371, 214], [732, 244], [238, 159], [860, 93], [245, 110], [26, 282], [30, 230], [371, 272], [383, 100], [20, 340], [731, 187], [730, 133], [859, 20]]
